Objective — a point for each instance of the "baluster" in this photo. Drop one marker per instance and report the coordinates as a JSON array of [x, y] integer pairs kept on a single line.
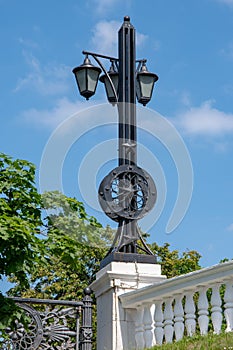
[[158, 317], [216, 310], [148, 325], [203, 319], [139, 328], [179, 318], [168, 321], [190, 319], [228, 298]]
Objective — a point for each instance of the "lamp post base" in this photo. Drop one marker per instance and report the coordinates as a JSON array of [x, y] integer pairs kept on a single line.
[[128, 257], [115, 324]]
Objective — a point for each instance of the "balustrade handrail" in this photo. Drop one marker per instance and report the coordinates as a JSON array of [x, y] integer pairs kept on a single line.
[[177, 285]]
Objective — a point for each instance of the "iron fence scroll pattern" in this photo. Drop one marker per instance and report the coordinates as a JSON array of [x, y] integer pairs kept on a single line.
[[52, 324]]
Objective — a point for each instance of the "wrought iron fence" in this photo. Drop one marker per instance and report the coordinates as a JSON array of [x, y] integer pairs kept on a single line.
[[52, 324]]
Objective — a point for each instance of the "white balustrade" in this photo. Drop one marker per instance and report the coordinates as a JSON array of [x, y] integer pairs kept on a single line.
[[168, 321], [148, 325], [181, 303], [179, 318], [158, 318], [216, 310], [139, 329], [203, 305], [190, 317], [228, 298]]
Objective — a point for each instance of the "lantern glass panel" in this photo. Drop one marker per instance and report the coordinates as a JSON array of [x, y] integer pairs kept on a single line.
[[81, 79], [146, 84], [92, 78], [109, 90], [108, 87], [115, 80]]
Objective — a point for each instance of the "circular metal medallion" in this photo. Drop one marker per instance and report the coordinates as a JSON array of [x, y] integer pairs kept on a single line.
[[127, 192], [21, 338]]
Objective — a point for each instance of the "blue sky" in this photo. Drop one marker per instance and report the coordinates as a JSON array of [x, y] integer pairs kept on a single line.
[[189, 44]]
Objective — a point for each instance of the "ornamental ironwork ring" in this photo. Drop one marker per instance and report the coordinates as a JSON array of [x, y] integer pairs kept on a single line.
[[127, 192], [25, 338]]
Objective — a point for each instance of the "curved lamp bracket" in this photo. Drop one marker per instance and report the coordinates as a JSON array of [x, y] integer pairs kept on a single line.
[[112, 59]]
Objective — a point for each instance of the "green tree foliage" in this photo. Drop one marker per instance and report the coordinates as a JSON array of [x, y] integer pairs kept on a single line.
[[19, 217], [74, 244], [173, 263], [19, 224]]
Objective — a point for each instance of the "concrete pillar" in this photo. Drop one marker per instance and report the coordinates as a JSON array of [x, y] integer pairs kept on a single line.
[[115, 325]]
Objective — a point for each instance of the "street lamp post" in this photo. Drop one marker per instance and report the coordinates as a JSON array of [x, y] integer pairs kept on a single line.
[[128, 192]]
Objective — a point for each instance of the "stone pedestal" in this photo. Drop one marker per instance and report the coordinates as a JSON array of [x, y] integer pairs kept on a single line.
[[115, 325]]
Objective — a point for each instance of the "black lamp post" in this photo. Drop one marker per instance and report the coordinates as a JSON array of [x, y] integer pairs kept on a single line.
[[128, 192]]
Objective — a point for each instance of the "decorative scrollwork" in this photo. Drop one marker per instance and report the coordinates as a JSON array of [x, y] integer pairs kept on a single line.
[[51, 328], [25, 338], [56, 330]]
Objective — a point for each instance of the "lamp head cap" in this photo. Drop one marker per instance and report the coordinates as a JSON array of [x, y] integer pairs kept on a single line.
[[126, 19]]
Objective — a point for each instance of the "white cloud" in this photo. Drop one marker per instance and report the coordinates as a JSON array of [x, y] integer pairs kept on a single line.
[[101, 7], [28, 43], [105, 37], [62, 110], [47, 79], [185, 98], [205, 120], [227, 2], [230, 227], [140, 39], [51, 118]]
